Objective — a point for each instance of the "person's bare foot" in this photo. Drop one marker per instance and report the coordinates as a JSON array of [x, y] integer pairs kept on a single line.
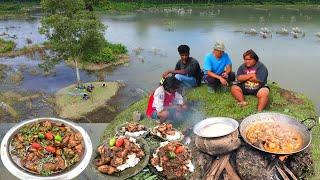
[[243, 103]]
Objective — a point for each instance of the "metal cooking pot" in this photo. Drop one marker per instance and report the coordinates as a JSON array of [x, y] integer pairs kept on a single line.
[[276, 118], [20, 173], [198, 128]]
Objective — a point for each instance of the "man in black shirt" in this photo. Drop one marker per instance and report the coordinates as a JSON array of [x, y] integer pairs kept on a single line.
[[251, 80], [187, 69]]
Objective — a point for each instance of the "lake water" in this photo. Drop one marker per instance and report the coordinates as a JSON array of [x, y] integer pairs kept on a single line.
[[152, 39]]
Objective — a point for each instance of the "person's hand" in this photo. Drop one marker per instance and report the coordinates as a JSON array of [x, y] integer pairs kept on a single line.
[[223, 81], [224, 75], [165, 74], [253, 77]]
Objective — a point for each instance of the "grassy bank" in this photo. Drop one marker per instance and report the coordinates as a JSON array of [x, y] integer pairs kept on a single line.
[[26, 50], [70, 103], [17, 10], [6, 46], [223, 104], [21, 10], [132, 6], [110, 55]]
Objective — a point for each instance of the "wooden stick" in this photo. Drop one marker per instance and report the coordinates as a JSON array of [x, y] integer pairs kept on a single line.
[[231, 172], [217, 167], [283, 174], [289, 172], [225, 159], [214, 167]]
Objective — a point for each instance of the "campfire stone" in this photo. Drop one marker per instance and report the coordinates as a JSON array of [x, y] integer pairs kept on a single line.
[[252, 164]]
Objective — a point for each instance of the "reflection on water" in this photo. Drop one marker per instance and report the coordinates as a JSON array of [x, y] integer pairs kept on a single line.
[[153, 47]]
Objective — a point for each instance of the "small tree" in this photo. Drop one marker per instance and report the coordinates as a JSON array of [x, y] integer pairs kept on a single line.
[[71, 30]]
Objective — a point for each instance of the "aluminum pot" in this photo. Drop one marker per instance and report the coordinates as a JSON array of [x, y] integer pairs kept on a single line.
[[276, 118], [20, 173]]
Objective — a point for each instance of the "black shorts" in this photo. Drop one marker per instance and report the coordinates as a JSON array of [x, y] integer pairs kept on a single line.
[[250, 92]]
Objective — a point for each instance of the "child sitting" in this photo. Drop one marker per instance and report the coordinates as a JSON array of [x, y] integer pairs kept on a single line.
[[166, 103]]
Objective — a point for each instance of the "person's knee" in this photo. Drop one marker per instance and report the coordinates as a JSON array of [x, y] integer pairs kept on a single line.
[[184, 107], [235, 88], [163, 114], [263, 93], [179, 77]]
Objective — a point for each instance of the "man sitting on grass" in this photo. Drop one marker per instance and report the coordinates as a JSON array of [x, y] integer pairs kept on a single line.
[[187, 69], [166, 103], [251, 80], [218, 68]]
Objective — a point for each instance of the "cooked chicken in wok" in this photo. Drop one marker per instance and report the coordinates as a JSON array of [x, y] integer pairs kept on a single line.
[[274, 137]]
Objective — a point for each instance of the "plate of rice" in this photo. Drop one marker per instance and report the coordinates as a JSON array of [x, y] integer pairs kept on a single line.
[[172, 160], [121, 157], [166, 132], [132, 129]]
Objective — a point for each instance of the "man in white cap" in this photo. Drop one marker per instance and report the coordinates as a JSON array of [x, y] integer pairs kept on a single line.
[[218, 68]]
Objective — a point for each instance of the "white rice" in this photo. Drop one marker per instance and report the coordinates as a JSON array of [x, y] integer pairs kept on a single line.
[[135, 134], [176, 136], [159, 168], [130, 162], [190, 166]]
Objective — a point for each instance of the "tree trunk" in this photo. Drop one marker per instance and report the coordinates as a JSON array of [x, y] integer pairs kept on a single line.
[[77, 72]]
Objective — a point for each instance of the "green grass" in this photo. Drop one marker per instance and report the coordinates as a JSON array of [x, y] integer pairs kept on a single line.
[[223, 104], [6, 46], [73, 106]]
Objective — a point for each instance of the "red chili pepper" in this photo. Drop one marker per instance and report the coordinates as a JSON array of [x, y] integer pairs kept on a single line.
[[51, 149], [36, 145], [49, 136], [119, 142]]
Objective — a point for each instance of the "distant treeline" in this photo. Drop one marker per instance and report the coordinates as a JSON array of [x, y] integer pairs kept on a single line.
[[219, 1], [191, 1]]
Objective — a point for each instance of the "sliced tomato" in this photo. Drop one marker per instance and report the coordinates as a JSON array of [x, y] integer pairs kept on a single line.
[[119, 142], [49, 136], [36, 145], [179, 149], [51, 149]]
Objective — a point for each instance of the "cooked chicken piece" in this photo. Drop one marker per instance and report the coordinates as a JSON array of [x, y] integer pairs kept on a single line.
[[78, 136], [60, 163], [30, 165], [171, 147], [31, 157], [49, 166], [47, 124], [58, 152], [79, 148], [115, 162], [169, 126], [102, 161], [122, 154], [140, 154], [154, 161], [72, 142], [107, 169], [65, 139], [20, 137]]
